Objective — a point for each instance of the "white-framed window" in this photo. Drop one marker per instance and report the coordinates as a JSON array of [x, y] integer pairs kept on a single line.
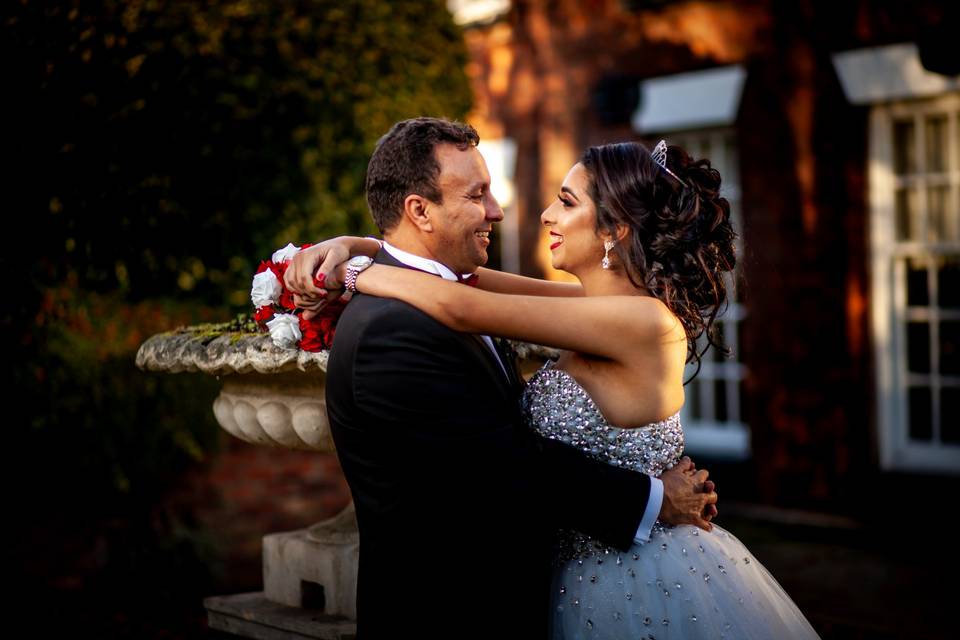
[[697, 110], [712, 415], [915, 281]]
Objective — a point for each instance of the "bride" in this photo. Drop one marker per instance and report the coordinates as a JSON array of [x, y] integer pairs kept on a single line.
[[649, 238]]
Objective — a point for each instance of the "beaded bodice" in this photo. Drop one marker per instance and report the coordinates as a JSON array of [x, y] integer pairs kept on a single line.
[[557, 406]]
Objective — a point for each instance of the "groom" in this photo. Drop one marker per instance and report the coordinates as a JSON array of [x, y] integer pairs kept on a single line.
[[457, 502]]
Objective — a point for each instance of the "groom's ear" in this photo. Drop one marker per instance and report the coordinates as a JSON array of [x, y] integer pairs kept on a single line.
[[416, 209]]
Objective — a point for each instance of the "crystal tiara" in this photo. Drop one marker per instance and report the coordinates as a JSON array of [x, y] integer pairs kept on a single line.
[[659, 155]]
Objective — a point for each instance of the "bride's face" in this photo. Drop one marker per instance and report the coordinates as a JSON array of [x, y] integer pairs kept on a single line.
[[571, 221]]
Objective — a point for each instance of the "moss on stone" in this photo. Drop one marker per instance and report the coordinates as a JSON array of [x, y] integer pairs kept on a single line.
[[242, 326]]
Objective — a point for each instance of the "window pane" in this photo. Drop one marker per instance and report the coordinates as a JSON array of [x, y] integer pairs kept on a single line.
[[904, 147], [917, 294], [950, 348], [938, 228], [704, 150], [948, 283], [918, 347], [720, 400], [936, 143], [921, 425], [732, 161], [692, 399], [719, 336], [950, 414], [908, 215], [744, 407]]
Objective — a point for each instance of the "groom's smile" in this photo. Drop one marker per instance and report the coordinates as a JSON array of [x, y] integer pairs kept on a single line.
[[462, 222]]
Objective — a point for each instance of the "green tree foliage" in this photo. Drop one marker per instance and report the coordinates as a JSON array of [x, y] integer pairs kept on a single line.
[[161, 148], [156, 151], [169, 145]]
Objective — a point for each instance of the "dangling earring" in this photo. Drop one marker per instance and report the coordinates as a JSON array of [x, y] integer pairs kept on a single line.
[[607, 246]]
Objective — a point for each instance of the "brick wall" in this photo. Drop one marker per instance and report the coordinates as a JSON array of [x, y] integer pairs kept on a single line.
[[247, 491]]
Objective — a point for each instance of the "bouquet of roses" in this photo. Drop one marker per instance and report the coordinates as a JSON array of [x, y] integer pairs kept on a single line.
[[276, 312]]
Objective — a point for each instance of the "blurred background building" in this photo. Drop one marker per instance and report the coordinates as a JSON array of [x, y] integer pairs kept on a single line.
[[835, 128]]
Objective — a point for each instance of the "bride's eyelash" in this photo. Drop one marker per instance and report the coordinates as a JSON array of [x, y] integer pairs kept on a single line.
[[564, 201]]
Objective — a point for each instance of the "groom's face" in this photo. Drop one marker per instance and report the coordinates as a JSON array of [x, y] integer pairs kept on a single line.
[[462, 222]]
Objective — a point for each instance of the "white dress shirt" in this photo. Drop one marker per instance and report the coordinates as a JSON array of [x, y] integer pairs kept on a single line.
[[655, 500]]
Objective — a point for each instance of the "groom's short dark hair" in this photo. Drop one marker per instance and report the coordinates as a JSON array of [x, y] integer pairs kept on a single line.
[[405, 162]]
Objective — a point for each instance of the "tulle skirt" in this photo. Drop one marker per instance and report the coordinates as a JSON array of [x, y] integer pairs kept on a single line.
[[685, 583]]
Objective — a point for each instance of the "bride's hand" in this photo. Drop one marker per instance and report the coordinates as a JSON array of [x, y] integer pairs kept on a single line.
[[311, 274], [312, 305], [305, 268]]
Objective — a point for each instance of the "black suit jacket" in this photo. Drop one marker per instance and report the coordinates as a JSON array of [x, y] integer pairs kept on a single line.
[[457, 502]]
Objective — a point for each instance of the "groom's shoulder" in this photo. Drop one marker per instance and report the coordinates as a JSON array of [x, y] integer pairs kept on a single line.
[[371, 313]]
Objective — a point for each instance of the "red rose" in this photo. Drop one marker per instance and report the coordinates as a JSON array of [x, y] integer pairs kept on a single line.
[[279, 269], [318, 332], [312, 339], [286, 300], [263, 315]]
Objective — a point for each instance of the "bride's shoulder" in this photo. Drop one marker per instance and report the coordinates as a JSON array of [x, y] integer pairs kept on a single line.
[[653, 318]]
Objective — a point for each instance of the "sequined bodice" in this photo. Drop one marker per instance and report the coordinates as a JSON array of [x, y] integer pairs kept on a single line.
[[557, 406]]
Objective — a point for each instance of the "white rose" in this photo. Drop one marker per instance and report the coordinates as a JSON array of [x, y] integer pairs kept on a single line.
[[285, 330], [287, 253], [266, 289]]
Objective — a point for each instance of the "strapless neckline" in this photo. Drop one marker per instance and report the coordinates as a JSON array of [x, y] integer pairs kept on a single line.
[[558, 407], [551, 365]]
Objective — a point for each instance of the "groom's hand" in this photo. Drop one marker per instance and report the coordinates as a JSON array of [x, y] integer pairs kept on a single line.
[[688, 496], [710, 512]]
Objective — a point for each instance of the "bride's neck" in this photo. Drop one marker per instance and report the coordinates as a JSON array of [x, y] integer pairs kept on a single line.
[[608, 282]]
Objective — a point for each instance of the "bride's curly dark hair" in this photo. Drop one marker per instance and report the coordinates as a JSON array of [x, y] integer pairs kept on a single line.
[[680, 240]]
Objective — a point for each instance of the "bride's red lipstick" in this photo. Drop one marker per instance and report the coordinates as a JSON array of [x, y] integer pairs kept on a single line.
[[557, 243]]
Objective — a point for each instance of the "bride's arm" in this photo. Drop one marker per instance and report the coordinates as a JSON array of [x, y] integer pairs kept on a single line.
[[324, 256], [608, 326], [504, 282]]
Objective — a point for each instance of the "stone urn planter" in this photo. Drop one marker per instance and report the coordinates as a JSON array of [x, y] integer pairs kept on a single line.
[[274, 397]]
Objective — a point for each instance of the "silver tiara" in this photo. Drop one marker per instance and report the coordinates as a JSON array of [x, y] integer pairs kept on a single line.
[[659, 155]]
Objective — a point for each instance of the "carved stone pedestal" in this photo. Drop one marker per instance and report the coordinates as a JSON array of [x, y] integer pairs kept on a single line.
[[275, 397], [315, 568]]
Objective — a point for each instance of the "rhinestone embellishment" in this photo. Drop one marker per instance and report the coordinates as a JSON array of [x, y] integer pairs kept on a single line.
[[557, 406]]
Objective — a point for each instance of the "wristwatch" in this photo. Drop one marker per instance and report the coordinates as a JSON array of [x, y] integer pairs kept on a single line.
[[354, 266]]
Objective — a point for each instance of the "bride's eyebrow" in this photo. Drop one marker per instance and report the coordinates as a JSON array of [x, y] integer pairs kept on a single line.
[[570, 191]]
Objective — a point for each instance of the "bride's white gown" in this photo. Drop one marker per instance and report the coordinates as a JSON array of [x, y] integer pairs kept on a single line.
[[684, 583]]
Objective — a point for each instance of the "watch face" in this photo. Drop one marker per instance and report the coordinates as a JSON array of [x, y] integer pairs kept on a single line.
[[360, 261]]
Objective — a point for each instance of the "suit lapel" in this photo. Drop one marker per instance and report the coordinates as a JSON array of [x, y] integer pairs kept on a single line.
[[509, 358]]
